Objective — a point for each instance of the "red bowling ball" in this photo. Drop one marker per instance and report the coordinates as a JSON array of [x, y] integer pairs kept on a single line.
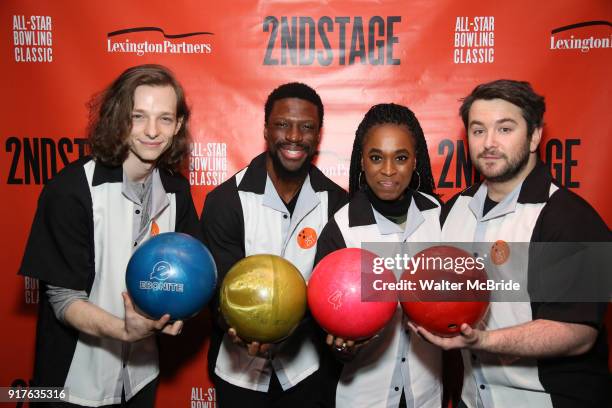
[[335, 295], [441, 311]]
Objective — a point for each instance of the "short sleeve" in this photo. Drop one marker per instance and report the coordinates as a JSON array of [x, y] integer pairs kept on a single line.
[[60, 249], [572, 223]]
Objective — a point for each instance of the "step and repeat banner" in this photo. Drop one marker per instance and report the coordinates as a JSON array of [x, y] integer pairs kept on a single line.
[[229, 55]]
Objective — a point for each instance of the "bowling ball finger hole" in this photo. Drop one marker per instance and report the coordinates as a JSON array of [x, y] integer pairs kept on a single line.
[[452, 326]]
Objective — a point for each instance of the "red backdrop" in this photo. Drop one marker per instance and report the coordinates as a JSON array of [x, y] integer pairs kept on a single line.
[[424, 54]]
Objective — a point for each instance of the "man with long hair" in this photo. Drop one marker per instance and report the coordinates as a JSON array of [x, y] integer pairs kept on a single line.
[[90, 219]]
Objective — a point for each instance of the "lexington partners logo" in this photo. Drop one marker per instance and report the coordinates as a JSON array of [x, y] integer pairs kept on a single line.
[[162, 270], [575, 37], [131, 40]]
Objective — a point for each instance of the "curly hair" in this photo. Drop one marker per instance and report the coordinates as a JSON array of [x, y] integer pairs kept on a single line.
[[390, 113], [294, 90], [518, 93], [110, 117]]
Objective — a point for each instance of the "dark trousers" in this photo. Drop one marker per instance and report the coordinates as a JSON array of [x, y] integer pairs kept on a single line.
[[316, 390]]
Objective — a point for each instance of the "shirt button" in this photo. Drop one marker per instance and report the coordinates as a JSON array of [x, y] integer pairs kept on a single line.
[[403, 359], [137, 211], [285, 216], [136, 243], [482, 387], [396, 388]]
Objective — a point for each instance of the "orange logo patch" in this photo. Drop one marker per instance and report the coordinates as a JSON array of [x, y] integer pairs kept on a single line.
[[307, 238], [500, 252], [154, 228]]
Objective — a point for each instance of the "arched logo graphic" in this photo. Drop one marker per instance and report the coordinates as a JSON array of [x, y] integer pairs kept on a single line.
[[161, 271]]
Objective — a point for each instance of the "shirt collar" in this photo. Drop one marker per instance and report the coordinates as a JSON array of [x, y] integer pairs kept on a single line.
[[505, 206], [413, 220], [361, 213], [422, 203], [114, 174], [536, 186], [158, 198], [134, 191], [107, 174], [533, 190]]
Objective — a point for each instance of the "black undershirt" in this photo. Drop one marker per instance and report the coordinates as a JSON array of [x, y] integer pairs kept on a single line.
[[394, 210], [291, 204], [488, 205]]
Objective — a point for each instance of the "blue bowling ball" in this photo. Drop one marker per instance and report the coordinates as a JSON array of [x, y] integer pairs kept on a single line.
[[171, 273]]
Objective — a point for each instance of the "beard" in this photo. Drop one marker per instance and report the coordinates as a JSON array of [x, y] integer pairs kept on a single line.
[[513, 165], [280, 167]]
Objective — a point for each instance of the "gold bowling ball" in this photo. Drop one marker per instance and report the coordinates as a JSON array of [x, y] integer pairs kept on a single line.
[[263, 297]]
